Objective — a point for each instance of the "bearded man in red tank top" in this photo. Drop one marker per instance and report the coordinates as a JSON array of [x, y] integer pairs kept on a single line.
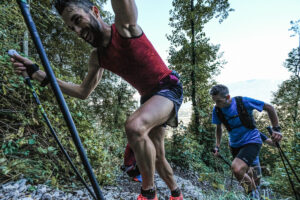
[[124, 49]]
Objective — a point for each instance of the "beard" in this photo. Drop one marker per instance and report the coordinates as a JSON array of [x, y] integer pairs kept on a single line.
[[95, 29]]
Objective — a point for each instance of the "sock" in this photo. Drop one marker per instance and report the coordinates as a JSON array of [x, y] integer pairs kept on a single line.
[[176, 192], [148, 193]]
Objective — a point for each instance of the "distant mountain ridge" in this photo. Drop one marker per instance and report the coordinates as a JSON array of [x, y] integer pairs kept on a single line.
[[261, 89]]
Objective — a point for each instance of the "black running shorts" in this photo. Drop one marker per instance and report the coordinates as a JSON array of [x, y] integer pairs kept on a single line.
[[247, 153]]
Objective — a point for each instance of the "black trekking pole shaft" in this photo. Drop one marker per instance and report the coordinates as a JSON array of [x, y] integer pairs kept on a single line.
[[225, 161], [287, 160], [283, 161], [59, 97], [284, 156], [28, 82], [222, 158], [290, 180]]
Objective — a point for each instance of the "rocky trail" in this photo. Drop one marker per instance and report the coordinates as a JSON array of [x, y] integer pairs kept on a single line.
[[127, 189]]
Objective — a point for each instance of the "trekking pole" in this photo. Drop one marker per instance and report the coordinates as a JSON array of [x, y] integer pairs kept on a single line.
[[36, 98], [280, 149], [222, 158], [229, 165], [59, 97], [282, 156]]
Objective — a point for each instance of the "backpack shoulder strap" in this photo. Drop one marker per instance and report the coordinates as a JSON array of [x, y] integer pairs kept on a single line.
[[222, 118], [246, 119]]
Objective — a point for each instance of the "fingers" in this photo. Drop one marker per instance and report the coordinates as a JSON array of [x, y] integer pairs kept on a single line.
[[276, 136], [19, 67], [20, 70], [21, 59], [19, 63], [216, 152]]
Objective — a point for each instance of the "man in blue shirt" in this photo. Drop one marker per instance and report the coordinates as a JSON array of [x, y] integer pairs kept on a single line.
[[245, 142]]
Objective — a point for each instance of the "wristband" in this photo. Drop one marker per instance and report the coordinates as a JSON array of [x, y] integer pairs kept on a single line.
[[45, 82], [276, 128], [31, 69], [218, 149]]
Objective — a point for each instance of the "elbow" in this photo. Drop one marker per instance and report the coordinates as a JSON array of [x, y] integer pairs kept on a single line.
[[83, 95]]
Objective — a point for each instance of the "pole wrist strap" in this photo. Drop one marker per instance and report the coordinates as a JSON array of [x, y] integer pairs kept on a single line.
[[32, 69]]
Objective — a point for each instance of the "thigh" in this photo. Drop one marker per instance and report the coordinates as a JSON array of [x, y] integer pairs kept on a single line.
[[154, 112], [248, 153], [234, 152], [238, 165]]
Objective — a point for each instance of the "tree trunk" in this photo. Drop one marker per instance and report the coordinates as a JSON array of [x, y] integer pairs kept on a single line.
[[193, 79], [26, 39]]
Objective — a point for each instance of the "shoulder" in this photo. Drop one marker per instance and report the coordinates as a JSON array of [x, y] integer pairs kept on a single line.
[[253, 103], [129, 31], [248, 100]]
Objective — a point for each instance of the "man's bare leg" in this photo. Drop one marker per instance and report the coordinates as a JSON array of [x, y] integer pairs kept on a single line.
[[163, 168], [239, 168], [152, 113]]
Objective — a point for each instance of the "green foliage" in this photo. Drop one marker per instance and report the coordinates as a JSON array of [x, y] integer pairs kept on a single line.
[[286, 101], [27, 147], [197, 61], [184, 150]]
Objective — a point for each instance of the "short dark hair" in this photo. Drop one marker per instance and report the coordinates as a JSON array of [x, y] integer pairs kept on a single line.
[[60, 5], [219, 89]]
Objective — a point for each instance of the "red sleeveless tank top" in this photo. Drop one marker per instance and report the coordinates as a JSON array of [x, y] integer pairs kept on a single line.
[[135, 60]]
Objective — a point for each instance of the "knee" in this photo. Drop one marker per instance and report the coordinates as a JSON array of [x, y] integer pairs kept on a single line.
[[135, 130], [238, 170]]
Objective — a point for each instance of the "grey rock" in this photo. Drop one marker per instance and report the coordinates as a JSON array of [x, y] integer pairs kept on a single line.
[[46, 196], [26, 198], [9, 188]]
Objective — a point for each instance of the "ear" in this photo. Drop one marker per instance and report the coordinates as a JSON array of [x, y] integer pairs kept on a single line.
[[227, 97], [95, 11]]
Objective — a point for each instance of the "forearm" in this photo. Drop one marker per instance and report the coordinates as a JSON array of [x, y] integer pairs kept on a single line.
[[69, 89], [73, 90], [218, 135], [272, 115]]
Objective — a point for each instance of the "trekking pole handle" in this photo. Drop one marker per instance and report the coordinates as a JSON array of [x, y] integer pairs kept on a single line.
[[213, 150], [270, 130], [221, 157], [13, 52]]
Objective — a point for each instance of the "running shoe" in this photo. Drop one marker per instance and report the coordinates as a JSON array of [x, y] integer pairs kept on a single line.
[[141, 197], [176, 198]]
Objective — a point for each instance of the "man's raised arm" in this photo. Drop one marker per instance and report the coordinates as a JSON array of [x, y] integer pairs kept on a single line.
[[126, 17]]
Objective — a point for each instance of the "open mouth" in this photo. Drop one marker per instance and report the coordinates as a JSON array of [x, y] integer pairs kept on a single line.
[[86, 35]]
